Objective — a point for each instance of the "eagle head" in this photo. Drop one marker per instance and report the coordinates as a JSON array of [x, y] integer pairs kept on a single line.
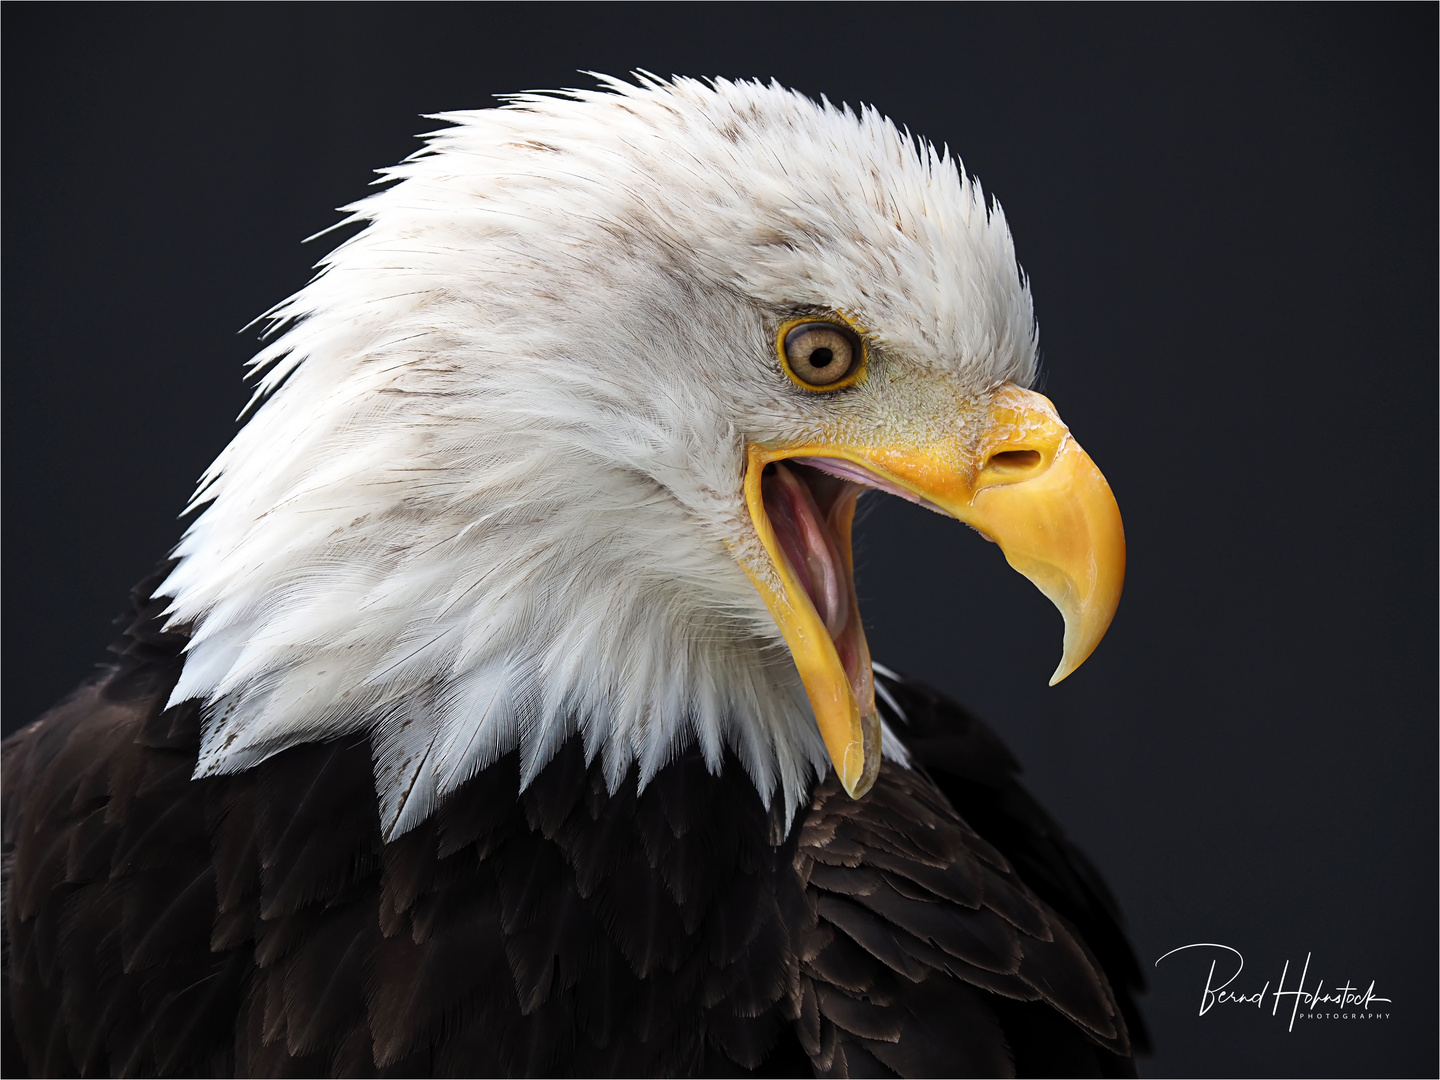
[[567, 440]]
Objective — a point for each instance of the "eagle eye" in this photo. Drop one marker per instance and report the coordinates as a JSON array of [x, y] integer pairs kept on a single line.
[[820, 354]]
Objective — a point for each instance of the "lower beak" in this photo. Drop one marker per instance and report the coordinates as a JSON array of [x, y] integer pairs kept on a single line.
[[1024, 483]]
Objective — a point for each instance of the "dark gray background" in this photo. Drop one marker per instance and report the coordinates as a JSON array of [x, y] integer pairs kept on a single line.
[[1229, 218]]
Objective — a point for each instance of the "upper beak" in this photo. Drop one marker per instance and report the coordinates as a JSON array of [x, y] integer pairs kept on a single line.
[[1024, 483]]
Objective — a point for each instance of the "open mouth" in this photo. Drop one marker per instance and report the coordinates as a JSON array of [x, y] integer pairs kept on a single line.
[[811, 513], [1020, 480]]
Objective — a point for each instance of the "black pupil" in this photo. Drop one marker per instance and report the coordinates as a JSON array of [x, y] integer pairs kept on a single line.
[[821, 357]]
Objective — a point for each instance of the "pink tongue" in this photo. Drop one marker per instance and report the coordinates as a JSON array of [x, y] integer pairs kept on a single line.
[[807, 544]]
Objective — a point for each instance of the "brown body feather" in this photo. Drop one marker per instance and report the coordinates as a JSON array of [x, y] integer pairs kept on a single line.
[[257, 925]]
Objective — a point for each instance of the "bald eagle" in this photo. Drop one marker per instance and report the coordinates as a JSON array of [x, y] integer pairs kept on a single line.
[[507, 710]]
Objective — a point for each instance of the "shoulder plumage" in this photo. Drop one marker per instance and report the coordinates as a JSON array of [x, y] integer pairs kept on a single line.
[[979, 778]]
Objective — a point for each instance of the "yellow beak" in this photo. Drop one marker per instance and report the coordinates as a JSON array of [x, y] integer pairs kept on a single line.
[[1023, 482]]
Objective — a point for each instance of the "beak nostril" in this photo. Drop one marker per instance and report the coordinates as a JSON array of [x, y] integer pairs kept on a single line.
[[1014, 460]]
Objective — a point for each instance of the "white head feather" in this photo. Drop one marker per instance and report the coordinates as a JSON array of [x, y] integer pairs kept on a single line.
[[493, 496]]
